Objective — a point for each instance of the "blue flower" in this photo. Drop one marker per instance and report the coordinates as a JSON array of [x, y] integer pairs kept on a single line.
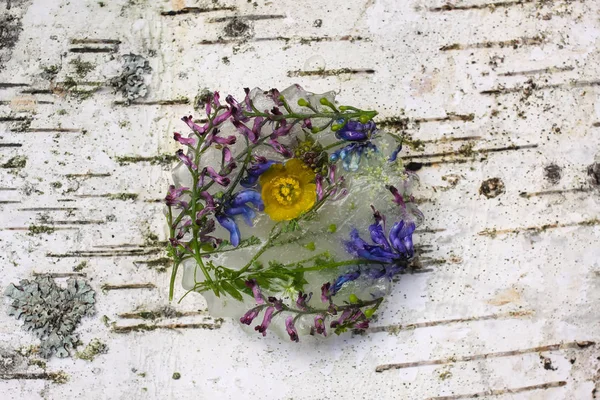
[[354, 131], [352, 154], [359, 135], [255, 170], [237, 205]]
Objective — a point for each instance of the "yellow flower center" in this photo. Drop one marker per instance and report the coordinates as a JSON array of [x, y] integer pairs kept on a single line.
[[288, 190]]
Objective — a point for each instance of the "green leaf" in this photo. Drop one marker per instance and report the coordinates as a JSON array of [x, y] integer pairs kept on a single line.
[[232, 291]]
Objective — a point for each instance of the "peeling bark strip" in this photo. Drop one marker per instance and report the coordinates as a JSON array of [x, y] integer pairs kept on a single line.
[[95, 41], [475, 357], [514, 43], [146, 328], [329, 72], [196, 10], [106, 253], [548, 192], [10, 145], [174, 102], [549, 70], [37, 91], [106, 287], [481, 151], [247, 18], [490, 6], [493, 232], [80, 222], [111, 196], [497, 392], [10, 202], [397, 328]]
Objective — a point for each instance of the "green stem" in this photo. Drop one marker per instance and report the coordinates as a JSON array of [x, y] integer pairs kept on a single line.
[[334, 265]]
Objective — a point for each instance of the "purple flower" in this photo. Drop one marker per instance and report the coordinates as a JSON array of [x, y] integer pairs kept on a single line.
[[277, 303], [302, 299], [274, 95], [345, 315], [262, 328], [203, 233], [221, 180], [186, 160], [237, 110], [214, 138], [252, 134], [283, 129], [254, 171], [291, 329], [281, 149], [341, 280], [362, 325], [201, 130], [255, 291], [222, 117], [250, 315], [354, 131], [325, 294], [320, 325], [173, 196], [183, 140], [319, 183]]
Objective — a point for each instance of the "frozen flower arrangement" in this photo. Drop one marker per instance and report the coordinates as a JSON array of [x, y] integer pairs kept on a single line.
[[259, 189]]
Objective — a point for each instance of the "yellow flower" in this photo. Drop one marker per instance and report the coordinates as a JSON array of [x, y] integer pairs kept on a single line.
[[288, 190]]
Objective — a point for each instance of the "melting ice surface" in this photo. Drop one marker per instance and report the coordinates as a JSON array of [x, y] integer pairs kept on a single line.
[[366, 187]]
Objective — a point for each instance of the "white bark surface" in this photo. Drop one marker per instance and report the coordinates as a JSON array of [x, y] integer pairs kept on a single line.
[[506, 304]]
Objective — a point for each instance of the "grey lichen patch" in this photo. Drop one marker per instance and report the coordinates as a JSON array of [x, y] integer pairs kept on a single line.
[[90, 352], [15, 162], [238, 28], [492, 187], [10, 361], [130, 83], [176, 375], [51, 312]]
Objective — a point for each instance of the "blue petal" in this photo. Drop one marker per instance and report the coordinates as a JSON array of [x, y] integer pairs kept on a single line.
[[246, 212], [401, 237], [229, 224], [394, 154], [378, 236], [341, 280], [248, 196]]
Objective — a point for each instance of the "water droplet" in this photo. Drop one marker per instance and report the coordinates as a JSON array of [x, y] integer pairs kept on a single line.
[[313, 64]]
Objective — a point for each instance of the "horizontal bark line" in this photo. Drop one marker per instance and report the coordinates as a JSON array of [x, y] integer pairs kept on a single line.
[[93, 49], [528, 195], [498, 392], [475, 357], [538, 71], [249, 17], [106, 253], [168, 102], [330, 72], [95, 41], [514, 43], [59, 274], [564, 85], [491, 6], [476, 151], [493, 232], [428, 324], [196, 10], [302, 40], [8, 85], [149, 328], [127, 286]]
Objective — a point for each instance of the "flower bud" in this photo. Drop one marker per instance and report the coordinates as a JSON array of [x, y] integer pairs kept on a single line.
[[302, 103], [353, 299]]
